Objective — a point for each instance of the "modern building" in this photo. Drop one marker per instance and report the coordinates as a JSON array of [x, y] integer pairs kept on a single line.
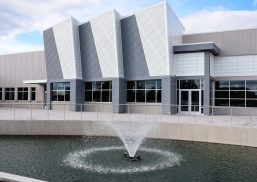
[[140, 59]]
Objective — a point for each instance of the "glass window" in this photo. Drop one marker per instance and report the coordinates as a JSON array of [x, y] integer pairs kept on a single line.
[[54, 95], [1, 92], [251, 103], [96, 96], [131, 85], [237, 85], [54, 85], [61, 91], [237, 94], [221, 102], [98, 91], [67, 86], [22, 93], [33, 94], [60, 86], [240, 91], [251, 94], [96, 85], [202, 97], [61, 95], [237, 103], [9, 93], [67, 96], [106, 85], [144, 91], [159, 84], [251, 85], [19, 95], [150, 95], [150, 84], [221, 94], [88, 86], [140, 85], [140, 95], [189, 84], [159, 96], [88, 96], [131, 95], [222, 85], [105, 96]]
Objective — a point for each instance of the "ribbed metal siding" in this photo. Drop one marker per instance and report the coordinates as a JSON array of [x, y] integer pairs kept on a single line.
[[15, 68], [231, 43]]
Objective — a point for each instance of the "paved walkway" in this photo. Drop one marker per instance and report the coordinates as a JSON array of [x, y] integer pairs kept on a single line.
[[42, 114]]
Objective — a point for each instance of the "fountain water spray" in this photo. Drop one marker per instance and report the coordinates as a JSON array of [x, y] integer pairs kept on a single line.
[[132, 134]]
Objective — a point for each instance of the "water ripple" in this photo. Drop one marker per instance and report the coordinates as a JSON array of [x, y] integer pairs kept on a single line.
[[78, 160]]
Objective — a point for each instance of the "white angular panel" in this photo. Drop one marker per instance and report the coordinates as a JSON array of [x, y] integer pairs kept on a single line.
[[175, 30], [67, 43], [151, 26], [107, 38]]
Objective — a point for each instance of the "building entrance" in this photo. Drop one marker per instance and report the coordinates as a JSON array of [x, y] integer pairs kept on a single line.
[[190, 102]]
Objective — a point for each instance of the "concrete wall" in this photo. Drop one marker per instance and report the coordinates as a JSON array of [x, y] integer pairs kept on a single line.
[[177, 131], [144, 108], [230, 43], [99, 107]]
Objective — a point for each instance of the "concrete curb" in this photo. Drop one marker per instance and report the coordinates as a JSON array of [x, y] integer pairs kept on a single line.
[[6, 177]]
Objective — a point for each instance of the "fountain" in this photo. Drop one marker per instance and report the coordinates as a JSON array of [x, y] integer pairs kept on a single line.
[[108, 159], [132, 134]]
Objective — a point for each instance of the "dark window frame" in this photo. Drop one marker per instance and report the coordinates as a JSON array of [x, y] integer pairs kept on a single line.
[[33, 94], [61, 91], [9, 93], [242, 93], [143, 91], [96, 91], [23, 93]]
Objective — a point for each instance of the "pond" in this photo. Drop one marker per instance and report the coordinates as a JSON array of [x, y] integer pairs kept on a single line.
[[74, 159]]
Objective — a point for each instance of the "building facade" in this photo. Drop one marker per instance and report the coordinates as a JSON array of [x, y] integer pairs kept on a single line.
[[140, 59]]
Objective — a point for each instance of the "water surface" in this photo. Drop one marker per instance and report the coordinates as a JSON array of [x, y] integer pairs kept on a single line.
[[44, 158]]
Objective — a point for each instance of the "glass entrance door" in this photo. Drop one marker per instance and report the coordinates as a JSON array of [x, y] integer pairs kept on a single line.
[[184, 101], [190, 102], [195, 101]]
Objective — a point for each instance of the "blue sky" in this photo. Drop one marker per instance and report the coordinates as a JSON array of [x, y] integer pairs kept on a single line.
[[22, 22]]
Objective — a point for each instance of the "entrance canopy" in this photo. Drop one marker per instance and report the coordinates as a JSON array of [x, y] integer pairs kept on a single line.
[[34, 81]]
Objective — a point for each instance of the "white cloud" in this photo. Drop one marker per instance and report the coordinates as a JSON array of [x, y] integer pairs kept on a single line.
[[24, 16], [36, 15], [12, 46], [219, 20]]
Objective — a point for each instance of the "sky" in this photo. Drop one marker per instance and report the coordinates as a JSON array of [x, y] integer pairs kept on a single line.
[[22, 21]]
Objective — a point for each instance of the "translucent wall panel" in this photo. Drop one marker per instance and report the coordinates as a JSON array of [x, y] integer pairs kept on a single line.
[[190, 64], [235, 66]]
